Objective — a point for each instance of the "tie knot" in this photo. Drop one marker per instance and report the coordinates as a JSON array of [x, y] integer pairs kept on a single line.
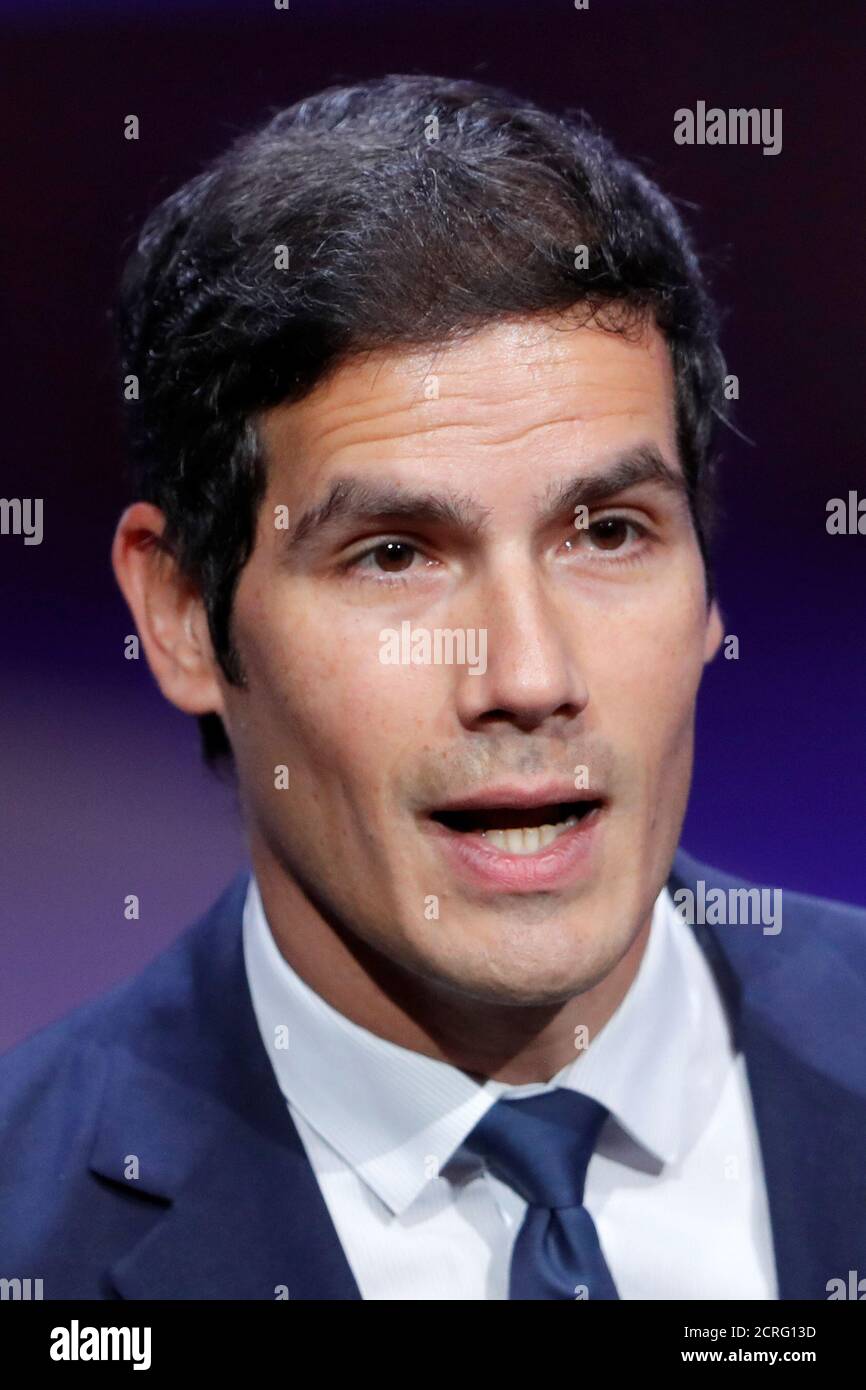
[[541, 1146]]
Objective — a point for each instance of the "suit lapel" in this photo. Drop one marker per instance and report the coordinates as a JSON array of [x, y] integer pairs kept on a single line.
[[191, 1093], [797, 1011]]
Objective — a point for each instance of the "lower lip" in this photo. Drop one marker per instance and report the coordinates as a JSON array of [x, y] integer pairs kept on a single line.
[[568, 860]]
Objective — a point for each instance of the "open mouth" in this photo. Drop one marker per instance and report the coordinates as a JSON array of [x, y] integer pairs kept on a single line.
[[521, 830]]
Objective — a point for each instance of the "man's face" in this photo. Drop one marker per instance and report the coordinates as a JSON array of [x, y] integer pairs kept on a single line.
[[436, 493]]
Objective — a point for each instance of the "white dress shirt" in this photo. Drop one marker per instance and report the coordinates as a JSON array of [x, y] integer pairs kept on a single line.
[[675, 1185]]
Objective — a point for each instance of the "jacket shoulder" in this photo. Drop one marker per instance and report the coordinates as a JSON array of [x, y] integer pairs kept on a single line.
[[60, 1219], [60, 1066], [809, 923]]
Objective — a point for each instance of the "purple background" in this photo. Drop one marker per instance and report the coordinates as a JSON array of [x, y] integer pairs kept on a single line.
[[103, 793]]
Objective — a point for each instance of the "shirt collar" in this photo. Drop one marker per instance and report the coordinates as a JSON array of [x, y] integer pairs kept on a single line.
[[396, 1116]]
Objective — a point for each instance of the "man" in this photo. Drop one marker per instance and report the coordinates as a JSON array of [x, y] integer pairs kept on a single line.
[[427, 382]]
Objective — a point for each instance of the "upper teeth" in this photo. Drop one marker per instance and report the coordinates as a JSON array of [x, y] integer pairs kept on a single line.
[[528, 839]]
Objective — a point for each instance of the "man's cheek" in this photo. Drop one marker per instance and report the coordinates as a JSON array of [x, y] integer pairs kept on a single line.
[[308, 675]]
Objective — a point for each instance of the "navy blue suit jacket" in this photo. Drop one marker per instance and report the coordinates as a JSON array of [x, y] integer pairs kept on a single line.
[[170, 1067]]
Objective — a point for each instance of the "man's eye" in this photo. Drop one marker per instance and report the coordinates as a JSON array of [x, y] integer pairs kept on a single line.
[[385, 558], [618, 539], [393, 556], [611, 533]]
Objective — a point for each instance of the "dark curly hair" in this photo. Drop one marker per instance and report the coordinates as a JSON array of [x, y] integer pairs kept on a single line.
[[401, 230]]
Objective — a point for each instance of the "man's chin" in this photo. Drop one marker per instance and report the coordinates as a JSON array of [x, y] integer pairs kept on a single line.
[[519, 993], [510, 979]]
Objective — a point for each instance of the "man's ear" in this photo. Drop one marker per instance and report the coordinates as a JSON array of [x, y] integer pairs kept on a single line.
[[715, 632], [168, 612]]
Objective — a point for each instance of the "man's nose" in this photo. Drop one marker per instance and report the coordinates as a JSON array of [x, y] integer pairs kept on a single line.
[[532, 674]]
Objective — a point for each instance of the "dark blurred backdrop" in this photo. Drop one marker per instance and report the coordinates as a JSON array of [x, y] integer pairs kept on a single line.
[[103, 794]]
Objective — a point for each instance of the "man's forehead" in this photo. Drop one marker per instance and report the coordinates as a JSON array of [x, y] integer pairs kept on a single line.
[[497, 385]]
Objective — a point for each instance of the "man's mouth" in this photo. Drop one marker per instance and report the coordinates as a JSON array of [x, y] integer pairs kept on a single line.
[[519, 830], [514, 838]]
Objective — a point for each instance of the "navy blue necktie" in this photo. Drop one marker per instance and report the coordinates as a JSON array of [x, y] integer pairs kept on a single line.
[[541, 1147]]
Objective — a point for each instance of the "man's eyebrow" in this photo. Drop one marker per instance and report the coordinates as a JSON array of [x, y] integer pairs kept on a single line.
[[643, 464], [355, 499]]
